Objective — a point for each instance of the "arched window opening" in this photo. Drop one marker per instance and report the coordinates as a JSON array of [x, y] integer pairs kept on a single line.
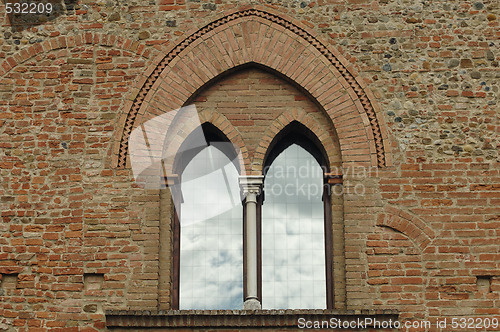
[[210, 231], [295, 223], [285, 261], [293, 239]]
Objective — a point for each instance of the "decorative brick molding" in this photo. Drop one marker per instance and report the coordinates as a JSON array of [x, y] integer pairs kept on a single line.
[[257, 36], [212, 319], [225, 126], [87, 38], [232, 134], [414, 228], [281, 122]]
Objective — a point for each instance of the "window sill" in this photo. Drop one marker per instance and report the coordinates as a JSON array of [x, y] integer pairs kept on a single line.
[[237, 318]]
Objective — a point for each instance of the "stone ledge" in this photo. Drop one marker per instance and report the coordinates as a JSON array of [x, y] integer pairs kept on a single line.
[[236, 318]]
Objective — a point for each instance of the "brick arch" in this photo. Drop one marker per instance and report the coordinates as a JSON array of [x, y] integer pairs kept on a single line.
[[396, 275], [87, 38], [280, 123], [224, 125], [254, 35], [411, 226]]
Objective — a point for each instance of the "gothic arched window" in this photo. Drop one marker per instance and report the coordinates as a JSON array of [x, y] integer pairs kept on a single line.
[[295, 224], [210, 239], [293, 233], [293, 246]]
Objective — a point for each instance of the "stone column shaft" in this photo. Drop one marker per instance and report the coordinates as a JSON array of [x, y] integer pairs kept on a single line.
[[251, 187]]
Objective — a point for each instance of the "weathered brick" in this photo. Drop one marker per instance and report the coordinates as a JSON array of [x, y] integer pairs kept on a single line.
[[68, 212]]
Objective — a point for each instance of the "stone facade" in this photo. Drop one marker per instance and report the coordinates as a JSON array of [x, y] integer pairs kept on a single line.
[[402, 94]]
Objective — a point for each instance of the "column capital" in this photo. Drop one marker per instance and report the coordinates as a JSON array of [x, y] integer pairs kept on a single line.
[[251, 184]]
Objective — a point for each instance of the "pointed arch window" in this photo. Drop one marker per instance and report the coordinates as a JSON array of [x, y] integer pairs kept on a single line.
[[296, 224], [293, 245], [209, 261], [293, 227]]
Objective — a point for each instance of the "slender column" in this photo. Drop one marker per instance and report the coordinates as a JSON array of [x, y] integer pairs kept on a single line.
[[251, 187]]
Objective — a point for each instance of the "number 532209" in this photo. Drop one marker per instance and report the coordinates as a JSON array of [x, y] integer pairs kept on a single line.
[[28, 8]]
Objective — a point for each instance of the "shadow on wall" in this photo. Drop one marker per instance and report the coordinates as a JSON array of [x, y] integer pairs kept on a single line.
[[24, 14]]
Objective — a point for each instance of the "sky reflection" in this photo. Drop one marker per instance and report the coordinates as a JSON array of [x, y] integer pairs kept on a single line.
[[293, 245], [211, 262]]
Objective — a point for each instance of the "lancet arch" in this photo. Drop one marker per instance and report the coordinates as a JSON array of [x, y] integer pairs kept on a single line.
[[260, 36]]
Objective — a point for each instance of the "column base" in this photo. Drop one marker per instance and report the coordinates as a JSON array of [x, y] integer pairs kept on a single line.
[[252, 304]]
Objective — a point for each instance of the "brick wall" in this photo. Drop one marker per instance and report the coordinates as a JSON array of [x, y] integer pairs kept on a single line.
[[79, 237], [254, 100]]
